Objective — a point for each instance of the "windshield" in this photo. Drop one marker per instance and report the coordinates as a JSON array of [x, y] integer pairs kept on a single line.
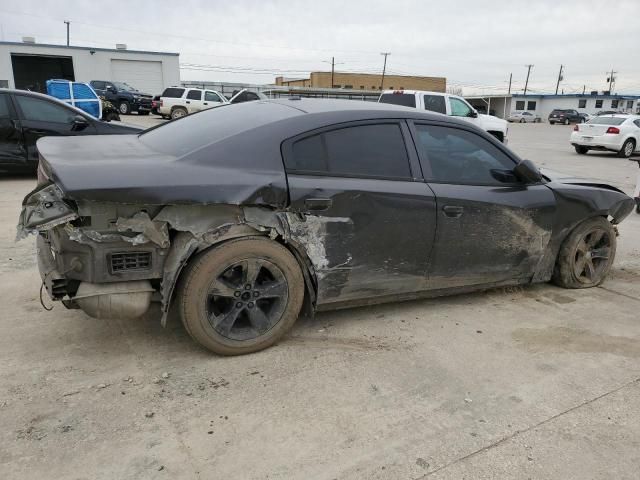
[[124, 86], [398, 99], [606, 121]]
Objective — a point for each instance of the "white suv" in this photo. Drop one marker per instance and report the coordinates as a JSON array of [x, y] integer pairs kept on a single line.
[[446, 104], [176, 102]]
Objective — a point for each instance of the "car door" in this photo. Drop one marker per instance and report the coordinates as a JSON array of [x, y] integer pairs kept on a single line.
[[99, 87], [367, 217], [41, 117], [492, 228], [194, 100], [12, 150], [211, 99], [460, 108]]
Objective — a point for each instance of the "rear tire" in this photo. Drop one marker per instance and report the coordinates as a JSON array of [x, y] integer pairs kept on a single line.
[[581, 150], [552, 123], [586, 255], [178, 112], [522, 120], [628, 147], [212, 294]]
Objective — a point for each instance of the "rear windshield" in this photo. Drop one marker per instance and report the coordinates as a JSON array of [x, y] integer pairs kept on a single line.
[[172, 92], [606, 121], [559, 111], [193, 132], [405, 100]]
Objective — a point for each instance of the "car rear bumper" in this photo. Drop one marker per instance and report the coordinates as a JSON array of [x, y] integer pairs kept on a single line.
[[599, 142]]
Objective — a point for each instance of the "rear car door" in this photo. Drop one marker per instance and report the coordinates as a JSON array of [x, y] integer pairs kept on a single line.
[[12, 150], [492, 228], [370, 219], [194, 101], [40, 117]]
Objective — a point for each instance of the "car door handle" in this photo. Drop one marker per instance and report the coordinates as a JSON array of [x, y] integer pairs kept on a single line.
[[205, 103], [187, 101], [317, 204], [454, 211]]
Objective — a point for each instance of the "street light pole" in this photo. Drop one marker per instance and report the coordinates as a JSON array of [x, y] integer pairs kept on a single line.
[[384, 68]]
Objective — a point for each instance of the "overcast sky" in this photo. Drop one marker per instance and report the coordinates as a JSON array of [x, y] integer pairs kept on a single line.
[[473, 43]]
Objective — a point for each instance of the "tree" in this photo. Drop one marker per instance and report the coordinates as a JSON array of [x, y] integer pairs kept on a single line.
[[455, 91]]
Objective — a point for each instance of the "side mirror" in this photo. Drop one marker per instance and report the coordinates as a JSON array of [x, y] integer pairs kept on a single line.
[[79, 123], [473, 114], [527, 172]]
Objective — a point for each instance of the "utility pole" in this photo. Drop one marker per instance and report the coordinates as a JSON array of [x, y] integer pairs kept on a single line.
[[526, 83], [67, 22], [559, 78], [611, 80], [333, 66], [584, 88], [510, 78], [384, 68]]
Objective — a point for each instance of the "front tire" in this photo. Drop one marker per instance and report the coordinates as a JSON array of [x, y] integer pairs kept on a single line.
[[522, 120], [581, 150], [124, 108], [586, 255], [241, 296], [627, 149], [566, 121]]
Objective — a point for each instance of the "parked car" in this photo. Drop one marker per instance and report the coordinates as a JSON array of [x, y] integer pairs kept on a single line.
[[253, 212], [618, 133], [446, 104], [125, 97], [565, 117], [523, 117], [177, 102], [585, 116], [246, 95], [27, 116], [607, 112]]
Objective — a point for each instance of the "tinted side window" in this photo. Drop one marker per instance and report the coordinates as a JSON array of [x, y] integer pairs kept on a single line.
[[4, 106], [365, 150], [194, 95], [458, 156], [44, 111], [637, 122], [435, 103], [98, 84], [404, 99], [211, 97], [172, 92], [459, 108]]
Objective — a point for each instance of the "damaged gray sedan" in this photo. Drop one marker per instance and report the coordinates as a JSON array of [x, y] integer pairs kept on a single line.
[[243, 217]]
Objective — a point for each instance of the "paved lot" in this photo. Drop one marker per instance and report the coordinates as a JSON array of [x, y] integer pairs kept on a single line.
[[534, 383]]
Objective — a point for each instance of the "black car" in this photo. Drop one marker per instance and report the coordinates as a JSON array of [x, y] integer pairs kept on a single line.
[[126, 98], [27, 116], [243, 216], [565, 116]]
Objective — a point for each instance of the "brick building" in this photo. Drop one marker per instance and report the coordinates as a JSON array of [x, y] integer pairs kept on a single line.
[[365, 81]]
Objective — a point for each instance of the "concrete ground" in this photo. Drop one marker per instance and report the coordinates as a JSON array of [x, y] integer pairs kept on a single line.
[[530, 383]]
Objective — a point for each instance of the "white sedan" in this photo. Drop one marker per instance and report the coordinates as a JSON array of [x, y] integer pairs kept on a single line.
[[523, 117], [616, 133]]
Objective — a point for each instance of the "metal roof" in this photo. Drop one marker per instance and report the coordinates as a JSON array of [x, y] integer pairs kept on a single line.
[[95, 49], [620, 96]]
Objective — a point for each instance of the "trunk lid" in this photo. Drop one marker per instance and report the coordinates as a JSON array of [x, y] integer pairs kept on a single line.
[[592, 130]]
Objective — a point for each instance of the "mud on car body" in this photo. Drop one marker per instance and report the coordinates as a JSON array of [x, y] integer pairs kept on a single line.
[[241, 217]]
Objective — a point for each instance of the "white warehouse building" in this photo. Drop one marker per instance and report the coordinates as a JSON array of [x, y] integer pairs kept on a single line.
[[542, 105], [28, 65]]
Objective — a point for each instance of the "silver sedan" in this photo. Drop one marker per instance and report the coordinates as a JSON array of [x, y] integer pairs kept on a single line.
[[523, 117]]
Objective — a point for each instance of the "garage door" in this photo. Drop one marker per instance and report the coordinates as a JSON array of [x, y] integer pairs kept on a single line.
[[143, 75]]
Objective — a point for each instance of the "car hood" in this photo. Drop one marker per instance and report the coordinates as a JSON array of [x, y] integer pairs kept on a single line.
[[122, 169], [490, 120], [560, 177]]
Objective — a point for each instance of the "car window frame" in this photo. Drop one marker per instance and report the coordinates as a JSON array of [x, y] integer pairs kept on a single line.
[[21, 116], [426, 164], [13, 111], [415, 170], [462, 101], [212, 92], [194, 90]]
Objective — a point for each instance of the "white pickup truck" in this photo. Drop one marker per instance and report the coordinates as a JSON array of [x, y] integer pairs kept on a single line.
[[448, 105]]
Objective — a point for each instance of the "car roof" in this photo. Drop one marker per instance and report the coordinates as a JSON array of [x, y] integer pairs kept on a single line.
[[413, 92], [621, 115], [29, 93]]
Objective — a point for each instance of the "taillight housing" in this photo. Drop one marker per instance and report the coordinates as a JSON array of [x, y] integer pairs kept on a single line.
[[160, 102], [575, 128], [614, 130]]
